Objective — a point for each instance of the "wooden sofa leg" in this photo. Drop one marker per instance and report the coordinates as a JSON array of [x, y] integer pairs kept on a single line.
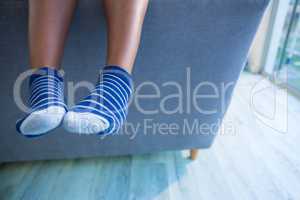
[[193, 154]]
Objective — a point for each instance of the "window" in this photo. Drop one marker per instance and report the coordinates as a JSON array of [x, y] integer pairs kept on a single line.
[[287, 65]]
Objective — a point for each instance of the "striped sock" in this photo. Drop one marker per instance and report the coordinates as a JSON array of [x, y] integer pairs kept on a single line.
[[105, 109], [47, 106]]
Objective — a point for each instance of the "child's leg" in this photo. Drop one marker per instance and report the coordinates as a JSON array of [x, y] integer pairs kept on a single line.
[[105, 109], [48, 24], [124, 20], [49, 21]]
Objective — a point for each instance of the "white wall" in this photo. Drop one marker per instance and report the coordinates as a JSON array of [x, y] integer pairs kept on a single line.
[[256, 58]]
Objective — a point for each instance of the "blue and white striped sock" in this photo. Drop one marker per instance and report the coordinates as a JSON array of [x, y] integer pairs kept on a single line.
[[104, 111], [47, 106]]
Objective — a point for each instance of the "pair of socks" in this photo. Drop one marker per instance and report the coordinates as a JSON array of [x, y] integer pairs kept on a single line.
[[102, 112]]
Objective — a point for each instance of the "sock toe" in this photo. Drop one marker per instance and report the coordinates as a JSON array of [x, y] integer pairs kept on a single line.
[[42, 121], [84, 123]]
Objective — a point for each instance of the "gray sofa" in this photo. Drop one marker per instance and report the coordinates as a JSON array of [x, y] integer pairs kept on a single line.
[[185, 43]]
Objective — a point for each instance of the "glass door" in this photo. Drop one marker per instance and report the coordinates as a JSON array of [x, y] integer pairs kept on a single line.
[[288, 57]]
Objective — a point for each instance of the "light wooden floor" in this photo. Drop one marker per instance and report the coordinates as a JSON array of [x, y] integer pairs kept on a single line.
[[257, 161]]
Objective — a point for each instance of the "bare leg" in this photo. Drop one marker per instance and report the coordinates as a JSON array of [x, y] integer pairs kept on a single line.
[[125, 19], [49, 22], [48, 26]]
